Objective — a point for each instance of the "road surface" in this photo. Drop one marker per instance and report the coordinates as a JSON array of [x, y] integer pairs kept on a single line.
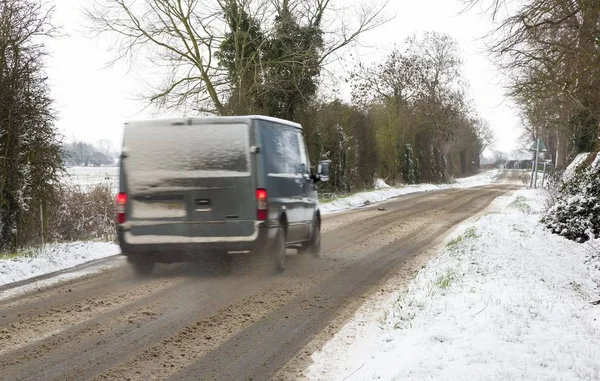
[[188, 322]]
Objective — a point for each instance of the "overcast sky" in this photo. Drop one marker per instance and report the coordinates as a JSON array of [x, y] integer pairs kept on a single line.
[[94, 101]]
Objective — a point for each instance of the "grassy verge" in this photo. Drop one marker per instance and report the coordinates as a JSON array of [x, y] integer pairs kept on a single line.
[[521, 204], [325, 197], [12, 255], [31, 251], [339, 196], [455, 244], [331, 197], [427, 285]]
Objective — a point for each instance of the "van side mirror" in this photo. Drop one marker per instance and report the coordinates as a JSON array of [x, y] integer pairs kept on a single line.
[[323, 170]]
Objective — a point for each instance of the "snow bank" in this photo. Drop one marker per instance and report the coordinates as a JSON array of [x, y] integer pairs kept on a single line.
[[380, 184], [505, 300], [53, 258], [482, 178], [570, 171], [384, 192], [596, 161]]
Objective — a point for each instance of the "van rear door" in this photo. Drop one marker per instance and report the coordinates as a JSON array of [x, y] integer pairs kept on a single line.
[[190, 180]]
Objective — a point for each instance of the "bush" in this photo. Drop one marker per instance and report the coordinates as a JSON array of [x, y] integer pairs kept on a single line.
[[82, 215], [576, 211]]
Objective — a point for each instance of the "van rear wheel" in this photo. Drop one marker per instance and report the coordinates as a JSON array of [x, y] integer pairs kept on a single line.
[[141, 264]]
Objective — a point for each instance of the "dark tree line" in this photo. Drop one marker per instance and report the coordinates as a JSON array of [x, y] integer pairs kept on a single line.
[[30, 150], [84, 154]]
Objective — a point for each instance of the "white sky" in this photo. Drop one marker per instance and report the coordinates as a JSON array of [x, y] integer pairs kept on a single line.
[[94, 101]]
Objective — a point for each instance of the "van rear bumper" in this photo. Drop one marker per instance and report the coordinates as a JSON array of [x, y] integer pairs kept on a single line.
[[174, 247]]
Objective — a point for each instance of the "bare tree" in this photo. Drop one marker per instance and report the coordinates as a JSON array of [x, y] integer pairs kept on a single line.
[[182, 35], [485, 135], [185, 37], [394, 80], [549, 49], [427, 69], [417, 98]]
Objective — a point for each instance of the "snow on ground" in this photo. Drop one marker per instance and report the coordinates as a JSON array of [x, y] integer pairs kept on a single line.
[[596, 160], [380, 184], [53, 257], [89, 177], [570, 171], [384, 192], [505, 300]]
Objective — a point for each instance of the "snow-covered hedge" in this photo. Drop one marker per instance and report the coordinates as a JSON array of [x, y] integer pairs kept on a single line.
[[576, 212]]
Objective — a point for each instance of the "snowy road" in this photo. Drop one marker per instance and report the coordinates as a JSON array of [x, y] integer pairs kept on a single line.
[[190, 323]]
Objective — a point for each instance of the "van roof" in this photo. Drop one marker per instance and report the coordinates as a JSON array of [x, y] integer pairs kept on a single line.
[[212, 120]]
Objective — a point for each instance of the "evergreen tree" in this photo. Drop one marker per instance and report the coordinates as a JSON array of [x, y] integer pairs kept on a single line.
[[31, 158]]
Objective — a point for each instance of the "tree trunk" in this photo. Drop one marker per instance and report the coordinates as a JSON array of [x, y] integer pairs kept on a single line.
[[561, 148]]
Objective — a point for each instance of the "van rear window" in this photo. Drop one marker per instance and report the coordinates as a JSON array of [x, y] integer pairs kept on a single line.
[[170, 152]]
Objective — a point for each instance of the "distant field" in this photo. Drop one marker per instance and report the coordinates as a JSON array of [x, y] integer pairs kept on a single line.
[[88, 177]]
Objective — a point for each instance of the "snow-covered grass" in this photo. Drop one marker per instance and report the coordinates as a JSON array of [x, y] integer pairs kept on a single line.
[[51, 258], [504, 300], [89, 177], [384, 192]]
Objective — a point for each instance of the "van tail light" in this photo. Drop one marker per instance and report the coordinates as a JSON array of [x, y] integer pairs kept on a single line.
[[262, 205], [121, 217]]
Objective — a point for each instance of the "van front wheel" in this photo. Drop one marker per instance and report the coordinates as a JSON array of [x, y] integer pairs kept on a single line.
[[279, 250], [313, 247]]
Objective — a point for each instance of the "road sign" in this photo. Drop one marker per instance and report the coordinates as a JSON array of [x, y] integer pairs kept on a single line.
[[542, 147]]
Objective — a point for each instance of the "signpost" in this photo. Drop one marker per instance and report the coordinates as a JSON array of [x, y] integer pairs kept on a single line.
[[537, 146], [547, 163]]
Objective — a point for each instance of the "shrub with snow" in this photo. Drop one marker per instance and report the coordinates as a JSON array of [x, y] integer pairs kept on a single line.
[[83, 215], [575, 164], [576, 212]]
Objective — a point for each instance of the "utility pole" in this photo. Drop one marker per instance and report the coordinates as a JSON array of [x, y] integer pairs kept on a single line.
[[535, 164], [547, 166], [544, 175], [537, 155]]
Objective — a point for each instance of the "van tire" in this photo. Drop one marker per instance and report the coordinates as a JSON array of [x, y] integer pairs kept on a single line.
[[313, 247], [141, 265], [278, 251]]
